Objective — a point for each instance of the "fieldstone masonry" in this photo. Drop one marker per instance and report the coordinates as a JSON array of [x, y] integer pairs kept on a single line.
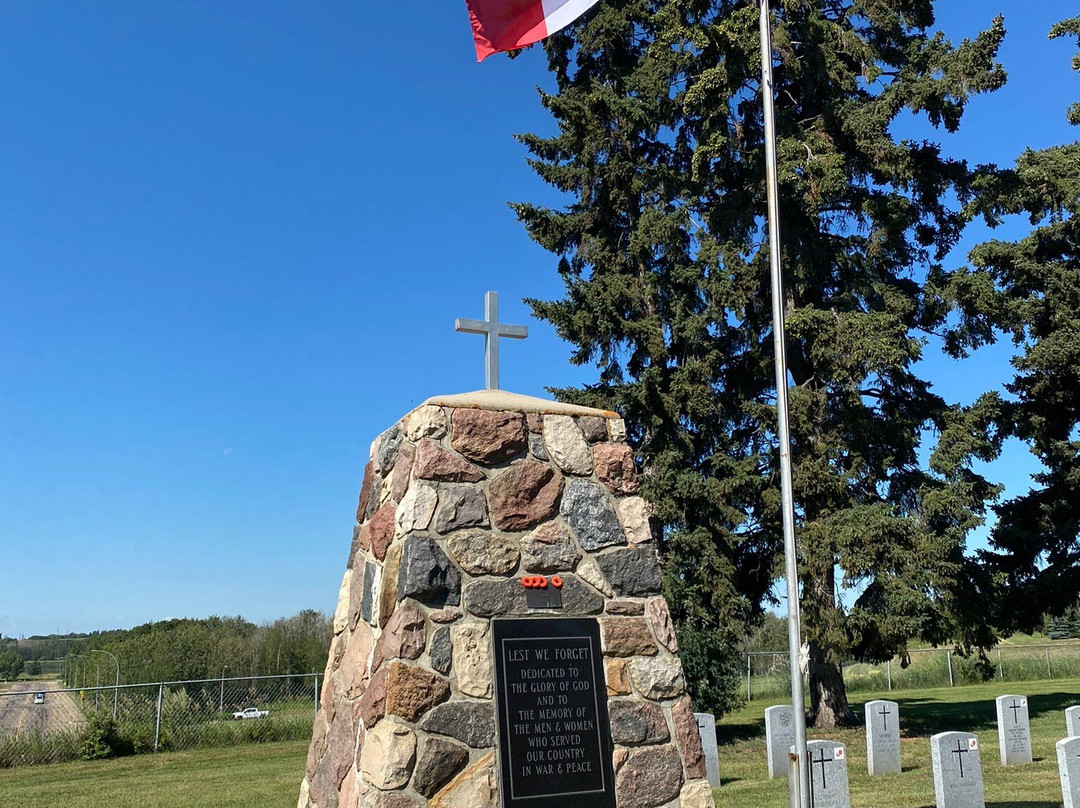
[[460, 499]]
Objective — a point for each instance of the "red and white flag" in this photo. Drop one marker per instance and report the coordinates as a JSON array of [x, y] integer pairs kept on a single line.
[[502, 25]]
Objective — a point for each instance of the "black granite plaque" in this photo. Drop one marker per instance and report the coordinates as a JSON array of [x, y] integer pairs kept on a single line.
[[554, 736]]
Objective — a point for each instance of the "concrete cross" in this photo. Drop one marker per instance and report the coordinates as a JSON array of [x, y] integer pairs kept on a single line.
[[492, 329]]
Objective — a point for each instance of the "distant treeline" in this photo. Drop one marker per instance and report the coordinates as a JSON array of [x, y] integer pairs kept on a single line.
[[175, 650]]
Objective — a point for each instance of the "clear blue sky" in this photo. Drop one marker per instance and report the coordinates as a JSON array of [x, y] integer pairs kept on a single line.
[[233, 241]]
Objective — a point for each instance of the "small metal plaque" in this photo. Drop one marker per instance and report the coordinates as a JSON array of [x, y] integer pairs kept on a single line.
[[549, 598]]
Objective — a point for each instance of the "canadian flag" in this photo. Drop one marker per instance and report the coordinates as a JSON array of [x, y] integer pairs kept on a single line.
[[502, 25]]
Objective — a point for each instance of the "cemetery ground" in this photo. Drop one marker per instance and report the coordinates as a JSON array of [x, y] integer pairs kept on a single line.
[[967, 708], [268, 775]]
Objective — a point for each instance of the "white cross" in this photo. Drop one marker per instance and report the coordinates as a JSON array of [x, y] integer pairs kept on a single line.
[[492, 329]]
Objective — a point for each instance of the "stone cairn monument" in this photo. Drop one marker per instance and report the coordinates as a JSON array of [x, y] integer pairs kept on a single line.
[[500, 638]]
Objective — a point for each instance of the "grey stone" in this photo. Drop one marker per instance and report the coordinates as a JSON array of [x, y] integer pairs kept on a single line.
[[828, 775], [882, 737], [461, 506], [658, 677], [386, 454], [589, 511], [957, 770], [536, 447], [1014, 731], [1068, 755], [549, 548], [367, 600], [471, 722], [507, 597], [706, 724], [1072, 721], [779, 738], [483, 552], [636, 722], [634, 572], [440, 760], [441, 651], [593, 427], [426, 574]]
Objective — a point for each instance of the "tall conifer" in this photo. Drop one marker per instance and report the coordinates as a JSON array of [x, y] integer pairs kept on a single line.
[[1030, 290], [661, 246]]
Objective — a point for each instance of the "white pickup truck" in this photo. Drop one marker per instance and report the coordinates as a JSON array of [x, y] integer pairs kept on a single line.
[[250, 712]]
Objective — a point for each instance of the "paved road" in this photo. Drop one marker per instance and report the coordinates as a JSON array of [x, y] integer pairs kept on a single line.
[[19, 714]]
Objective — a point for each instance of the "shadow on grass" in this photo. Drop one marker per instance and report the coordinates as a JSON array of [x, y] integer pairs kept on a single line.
[[744, 731], [925, 717], [1024, 804]]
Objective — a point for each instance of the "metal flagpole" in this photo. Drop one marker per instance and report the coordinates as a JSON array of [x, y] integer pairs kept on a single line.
[[799, 786]]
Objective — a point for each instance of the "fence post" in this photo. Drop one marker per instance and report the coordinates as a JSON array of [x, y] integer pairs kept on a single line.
[[1049, 675], [888, 672], [948, 655], [157, 727], [748, 658], [1001, 670], [316, 694]]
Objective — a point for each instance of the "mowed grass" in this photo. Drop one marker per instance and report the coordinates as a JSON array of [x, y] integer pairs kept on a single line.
[[250, 776], [268, 775], [744, 773]]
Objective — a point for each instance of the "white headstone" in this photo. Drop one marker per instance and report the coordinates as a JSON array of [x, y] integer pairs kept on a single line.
[[828, 775], [706, 724], [957, 770], [882, 737], [1014, 732], [779, 738], [1072, 721], [1068, 752]]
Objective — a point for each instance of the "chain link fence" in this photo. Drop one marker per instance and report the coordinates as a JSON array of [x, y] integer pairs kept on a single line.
[[41, 722], [768, 672]]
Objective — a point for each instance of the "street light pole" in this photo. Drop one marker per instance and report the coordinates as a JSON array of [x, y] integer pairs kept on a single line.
[[221, 698], [97, 679], [116, 691], [798, 786]]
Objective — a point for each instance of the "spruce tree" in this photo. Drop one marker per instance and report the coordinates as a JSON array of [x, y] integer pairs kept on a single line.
[[1030, 290], [661, 246]]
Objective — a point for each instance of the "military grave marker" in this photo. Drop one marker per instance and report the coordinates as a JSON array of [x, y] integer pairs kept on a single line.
[[706, 724], [957, 770], [882, 737], [1014, 731], [1072, 721], [1068, 754], [779, 738], [828, 775]]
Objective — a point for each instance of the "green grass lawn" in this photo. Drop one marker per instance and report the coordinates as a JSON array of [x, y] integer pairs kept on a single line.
[[268, 775], [743, 768], [250, 776]]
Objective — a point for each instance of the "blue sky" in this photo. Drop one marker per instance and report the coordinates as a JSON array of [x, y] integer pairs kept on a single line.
[[233, 242]]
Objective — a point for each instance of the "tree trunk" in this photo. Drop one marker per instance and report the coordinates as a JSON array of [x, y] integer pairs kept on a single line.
[[828, 696]]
